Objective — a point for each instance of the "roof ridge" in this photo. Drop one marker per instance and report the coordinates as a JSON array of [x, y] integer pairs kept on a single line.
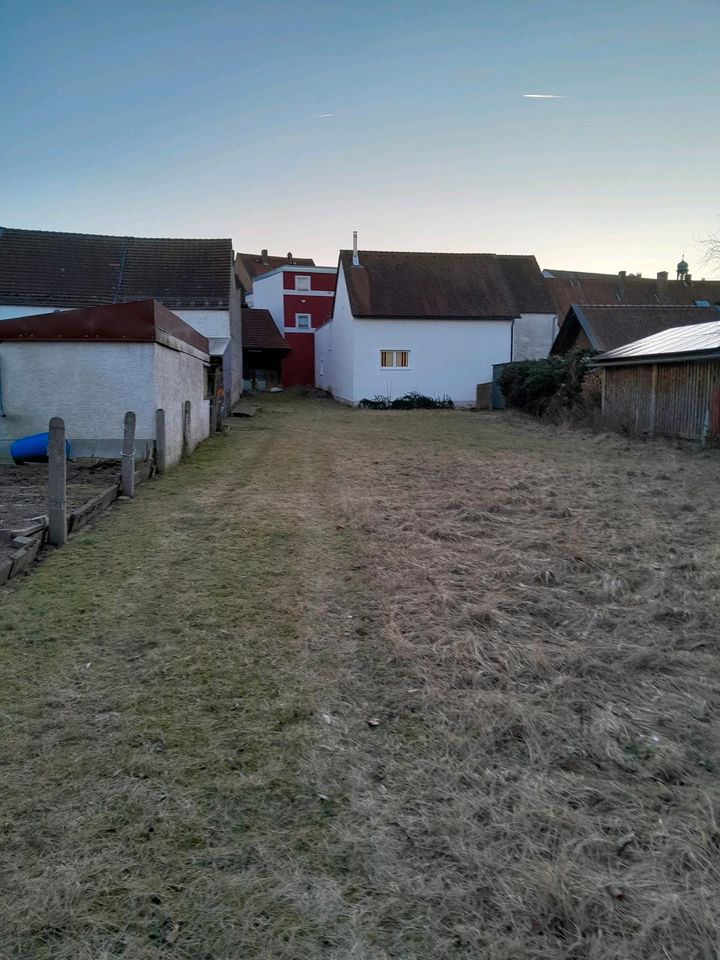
[[441, 253], [114, 236]]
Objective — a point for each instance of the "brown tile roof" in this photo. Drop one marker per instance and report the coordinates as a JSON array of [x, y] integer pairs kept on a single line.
[[430, 286], [145, 320], [608, 327], [259, 331], [526, 283], [569, 289], [73, 269], [251, 265]]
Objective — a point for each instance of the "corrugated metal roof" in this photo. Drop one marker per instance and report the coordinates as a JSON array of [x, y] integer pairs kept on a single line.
[[697, 339], [609, 327]]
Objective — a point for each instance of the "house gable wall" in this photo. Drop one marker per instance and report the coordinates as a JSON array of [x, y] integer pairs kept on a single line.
[[446, 356]]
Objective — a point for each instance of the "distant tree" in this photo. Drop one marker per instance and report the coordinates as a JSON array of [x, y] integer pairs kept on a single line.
[[711, 246]]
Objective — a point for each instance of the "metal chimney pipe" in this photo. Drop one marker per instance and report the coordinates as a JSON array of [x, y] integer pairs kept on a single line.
[[356, 259]]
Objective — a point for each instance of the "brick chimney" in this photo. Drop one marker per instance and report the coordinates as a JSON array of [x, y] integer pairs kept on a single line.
[[688, 279], [662, 284], [621, 284], [289, 256], [263, 254]]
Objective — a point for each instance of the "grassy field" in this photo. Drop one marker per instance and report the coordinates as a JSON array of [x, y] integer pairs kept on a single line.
[[369, 686]]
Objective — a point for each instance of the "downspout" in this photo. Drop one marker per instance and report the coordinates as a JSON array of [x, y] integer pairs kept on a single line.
[[2, 408]]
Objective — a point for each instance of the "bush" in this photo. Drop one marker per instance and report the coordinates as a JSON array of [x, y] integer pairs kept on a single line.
[[411, 401], [544, 386]]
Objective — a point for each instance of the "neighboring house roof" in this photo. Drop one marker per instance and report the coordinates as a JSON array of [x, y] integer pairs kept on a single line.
[[251, 265], [146, 320], [613, 325], [526, 283], [260, 332], [566, 289], [695, 342], [443, 286], [73, 269]]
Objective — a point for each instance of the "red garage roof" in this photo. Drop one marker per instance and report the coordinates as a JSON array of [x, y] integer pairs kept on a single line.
[[145, 320]]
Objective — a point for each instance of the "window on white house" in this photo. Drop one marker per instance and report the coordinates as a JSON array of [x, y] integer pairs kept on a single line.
[[394, 359], [302, 321], [302, 283]]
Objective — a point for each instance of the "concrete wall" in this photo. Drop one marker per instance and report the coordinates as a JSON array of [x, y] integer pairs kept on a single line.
[[92, 385], [89, 385], [235, 359], [178, 377], [533, 335], [334, 348]]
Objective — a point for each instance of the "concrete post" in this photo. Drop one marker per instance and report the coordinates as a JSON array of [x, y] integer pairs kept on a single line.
[[160, 441], [186, 428], [128, 456], [57, 481]]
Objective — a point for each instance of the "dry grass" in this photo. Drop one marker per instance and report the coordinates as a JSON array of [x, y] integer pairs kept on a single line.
[[529, 613]]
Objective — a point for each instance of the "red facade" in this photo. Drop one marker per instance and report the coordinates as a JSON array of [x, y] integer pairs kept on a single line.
[[303, 312]]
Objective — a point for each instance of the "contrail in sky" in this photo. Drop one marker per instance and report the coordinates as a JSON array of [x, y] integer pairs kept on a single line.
[[321, 115], [544, 96]]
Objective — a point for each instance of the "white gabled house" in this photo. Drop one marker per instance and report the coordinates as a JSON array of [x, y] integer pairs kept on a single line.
[[430, 322]]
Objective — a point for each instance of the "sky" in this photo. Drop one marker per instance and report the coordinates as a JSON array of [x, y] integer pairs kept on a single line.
[[287, 125]]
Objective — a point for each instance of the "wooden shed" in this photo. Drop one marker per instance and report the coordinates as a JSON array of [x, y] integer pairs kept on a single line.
[[666, 385]]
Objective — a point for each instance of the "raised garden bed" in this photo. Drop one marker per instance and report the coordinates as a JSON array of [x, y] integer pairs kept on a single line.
[[23, 505]]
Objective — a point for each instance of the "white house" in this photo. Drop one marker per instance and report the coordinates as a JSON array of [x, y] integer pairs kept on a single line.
[[42, 271], [91, 366], [430, 322]]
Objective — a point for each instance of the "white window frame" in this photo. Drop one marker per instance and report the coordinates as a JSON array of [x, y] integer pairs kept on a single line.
[[302, 282], [308, 328], [394, 365]]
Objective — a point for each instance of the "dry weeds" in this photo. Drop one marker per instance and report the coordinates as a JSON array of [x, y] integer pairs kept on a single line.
[[373, 685]]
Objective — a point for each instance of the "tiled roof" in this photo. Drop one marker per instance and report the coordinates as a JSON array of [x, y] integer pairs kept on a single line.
[[614, 325], [569, 288], [259, 331], [526, 283], [251, 265], [117, 323], [466, 286], [698, 339], [73, 269]]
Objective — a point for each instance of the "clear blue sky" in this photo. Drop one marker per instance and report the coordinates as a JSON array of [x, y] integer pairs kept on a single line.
[[189, 118]]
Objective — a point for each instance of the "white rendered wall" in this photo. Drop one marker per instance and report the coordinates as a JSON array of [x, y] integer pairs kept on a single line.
[[446, 356], [210, 323], [334, 348], [10, 312], [267, 294], [178, 377], [90, 385], [533, 335]]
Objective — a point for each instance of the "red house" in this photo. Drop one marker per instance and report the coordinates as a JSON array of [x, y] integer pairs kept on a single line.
[[300, 300]]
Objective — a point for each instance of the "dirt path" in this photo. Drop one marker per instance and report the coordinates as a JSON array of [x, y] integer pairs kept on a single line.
[[359, 685]]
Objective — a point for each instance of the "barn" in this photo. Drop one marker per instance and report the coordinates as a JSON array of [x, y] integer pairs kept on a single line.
[[665, 385]]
